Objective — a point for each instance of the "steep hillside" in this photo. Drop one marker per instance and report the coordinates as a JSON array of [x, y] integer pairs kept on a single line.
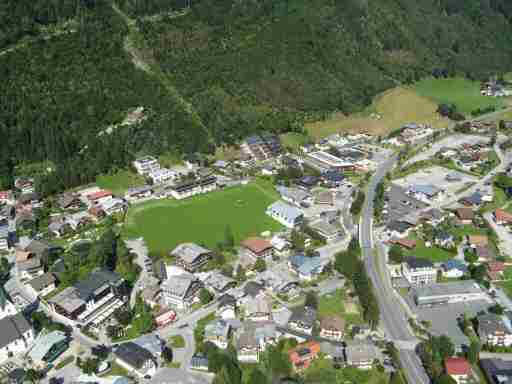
[[224, 68]]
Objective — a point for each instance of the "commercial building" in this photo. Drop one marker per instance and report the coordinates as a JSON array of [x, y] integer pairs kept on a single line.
[[448, 293], [419, 271], [324, 161], [145, 165]]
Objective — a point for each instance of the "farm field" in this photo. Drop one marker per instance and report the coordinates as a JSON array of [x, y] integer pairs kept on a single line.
[[464, 93], [120, 181], [396, 107], [203, 219]]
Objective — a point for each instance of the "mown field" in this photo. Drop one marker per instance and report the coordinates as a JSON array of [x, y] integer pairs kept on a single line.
[[395, 108], [464, 93], [203, 219], [120, 181]]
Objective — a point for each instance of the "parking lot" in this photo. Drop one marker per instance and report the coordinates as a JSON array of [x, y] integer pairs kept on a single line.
[[452, 141], [436, 176], [444, 318]]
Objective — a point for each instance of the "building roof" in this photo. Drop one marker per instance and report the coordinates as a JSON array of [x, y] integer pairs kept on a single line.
[[306, 265], [295, 194], [151, 342], [305, 316], [13, 327], [361, 351], [416, 262], [41, 282], [425, 189], [325, 228], [455, 264], [96, 280], [133, 354], [465, 213], [256, 244], [285, 210], [258, 304], [44, 343], [478, 240], [189, 252], [406, 243], [179, 285], [398, 226], [502, 215], [66, 199], [29, 264], [252, 288], [333, 322], [491, 323], [217, 328], [497, 368], [450, 288], [457, 366], [305, 349], [99, 195]]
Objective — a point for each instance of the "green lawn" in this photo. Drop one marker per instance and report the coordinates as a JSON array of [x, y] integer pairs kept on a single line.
[[334, 304], [203, 219], [434, 254], [177, 341], [464, 93], [294, 140], [119, 182], [64, 362], [116, 370], [506, 286]]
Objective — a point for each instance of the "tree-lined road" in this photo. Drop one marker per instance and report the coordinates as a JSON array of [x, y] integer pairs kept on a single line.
[[392, 316]]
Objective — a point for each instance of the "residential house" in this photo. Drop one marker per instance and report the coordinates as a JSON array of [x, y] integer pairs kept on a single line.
[[30, 269], [286, 214], [458, 369], [199, 362], [332, 327], [419, 271], [333, 179], [502, 217], [465, 215], [99, 197], [253, 338], [145, 165], [47, 348], [308, 182], [324, 198], [295, 196], [251, 290], [258, 248], [113, 206], [454, 269], [29, 200], [329, 232], [475, 241], [398, 229], [258, 308], [306, 268], [69, 201], [281, 245], [193, 186], [6, 197], [181, 291], [262, 147], [135, 359], [161, 175], [16, 336], [303, 354], [493, 331], [474, 200], [151, 342], [138, 193], [361, 354], [24, 184], [425, 193], [497, 370], [191, 256], [227, 307], [59, 227], [42, 285], [484, 253], [217, 332], [216, 281], [91, 301], [152, 295], [303, 320], [7, 308]]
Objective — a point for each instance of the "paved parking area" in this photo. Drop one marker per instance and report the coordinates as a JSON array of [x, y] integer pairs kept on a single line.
[[444, 318], [452, 141], [180, 376], [437, 176]]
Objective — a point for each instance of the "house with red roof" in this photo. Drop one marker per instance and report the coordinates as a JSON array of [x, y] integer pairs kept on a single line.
[[303, 354], [502, 217], [458, 369], [258, 247], [99, 197]]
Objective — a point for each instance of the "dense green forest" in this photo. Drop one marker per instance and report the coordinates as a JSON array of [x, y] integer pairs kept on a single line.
[[243, 66]]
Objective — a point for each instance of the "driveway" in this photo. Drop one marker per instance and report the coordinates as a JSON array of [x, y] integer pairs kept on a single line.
[[505, 244], [138, 246]]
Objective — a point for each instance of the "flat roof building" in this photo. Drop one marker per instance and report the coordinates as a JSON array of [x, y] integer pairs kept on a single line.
[[447, 293]]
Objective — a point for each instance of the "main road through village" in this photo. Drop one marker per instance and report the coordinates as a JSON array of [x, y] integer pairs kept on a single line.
[[392, 316]]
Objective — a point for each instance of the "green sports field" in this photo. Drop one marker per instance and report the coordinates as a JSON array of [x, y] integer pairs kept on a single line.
[[464, 93], [203, 219]]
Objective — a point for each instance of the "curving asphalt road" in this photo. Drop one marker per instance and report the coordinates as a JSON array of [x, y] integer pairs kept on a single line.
[[392, 316]]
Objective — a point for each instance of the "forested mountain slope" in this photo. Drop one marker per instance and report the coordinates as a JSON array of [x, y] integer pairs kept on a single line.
[[243, 65]]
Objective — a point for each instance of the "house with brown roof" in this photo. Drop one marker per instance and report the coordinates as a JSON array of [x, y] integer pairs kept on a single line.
[[258, 247], [404, 243], [332, 327], [303, 354], [475, 241], [465, 215], [502, 217]]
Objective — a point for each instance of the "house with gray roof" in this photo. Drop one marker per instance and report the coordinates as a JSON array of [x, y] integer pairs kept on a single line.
[[16, 336], [217, 332], [286, 214], [303, 320], [296, 196], [135, 359], [252, 339], [328, 231], [493, 331], [361, 354], [425, 192], [448, 293], [30, 268], [181, 291], [152, 342], [258, 308], [191, 256], [42, 285]]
